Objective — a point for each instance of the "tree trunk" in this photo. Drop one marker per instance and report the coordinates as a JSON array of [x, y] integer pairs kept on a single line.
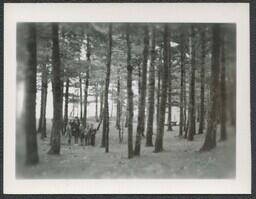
[[81, 97], [202, 79], [192, 110], [151, 91], [88, 54], [43, 106], [210, 139], [223, 131], [96, 102], [106, 112], [160, 127], [182, 77], [142, 100], [101, 100], [129, 93], [66, 104], [158, 89], [118, 104], [57, 92], [27, 62], [169, 89]]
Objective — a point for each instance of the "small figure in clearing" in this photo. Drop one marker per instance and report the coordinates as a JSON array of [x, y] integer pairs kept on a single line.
[[68, 133]]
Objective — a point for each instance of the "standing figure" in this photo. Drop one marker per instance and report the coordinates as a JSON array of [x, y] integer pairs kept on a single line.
[[68, 133]]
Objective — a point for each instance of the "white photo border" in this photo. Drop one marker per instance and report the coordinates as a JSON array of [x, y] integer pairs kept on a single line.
[[237, 13]]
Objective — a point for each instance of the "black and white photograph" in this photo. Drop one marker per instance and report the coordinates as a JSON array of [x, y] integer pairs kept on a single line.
[[130, 100]]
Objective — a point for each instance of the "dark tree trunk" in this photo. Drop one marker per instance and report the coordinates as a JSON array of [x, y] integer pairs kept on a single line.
[[210, 139], [158, 89], [160, 127], [81, 97], [169, 89], [223, 131], [106, 112], [182, 89], [192, 109], [202, 80], [118, 104], [129, 93], [88, 55], [151, 91], [43, 105], [185, 102], [27, 62], [57, 92], [96, 102], [101, 100], [142, 99], [66, 104]]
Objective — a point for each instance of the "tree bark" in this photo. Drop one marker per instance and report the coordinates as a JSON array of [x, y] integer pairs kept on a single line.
[[192, 110], [43, 107], [96, 102], [160, 127], [202, 80], [169, 89], [81, 97], [223, 119], [142, 99], [88, 54], [182, 77], [106, 112], [57, 92], [66, 104], [129, 93], [210, 139], [27, 62], [118, 104], [158, 88], [151, 91]]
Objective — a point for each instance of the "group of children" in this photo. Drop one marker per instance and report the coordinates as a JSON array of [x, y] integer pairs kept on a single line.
[[76, 129]]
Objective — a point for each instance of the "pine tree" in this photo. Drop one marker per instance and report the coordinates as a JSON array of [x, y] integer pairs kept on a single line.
[[192, 119], [210, 138], [129, 93], [202, 81], [142, 99], [151, 91], [57, 92], [164, 86]]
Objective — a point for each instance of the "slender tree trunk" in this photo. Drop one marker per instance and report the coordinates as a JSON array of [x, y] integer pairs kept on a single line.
[[223, 131], [81, 97], [57, 92], [182, 89], [202, 79], [106, 112], [142, 100], [192, 118], [88, 55], [27, 62], [151, 91], [96, 102], [129, 93], [118, 104], [185, 102], [44, 93], [169, 89], [160, 127], [101, 100], [158, 89], [210, 139], [66, 104]]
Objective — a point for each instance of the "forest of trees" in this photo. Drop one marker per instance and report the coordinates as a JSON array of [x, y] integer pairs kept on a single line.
[[144, 70]]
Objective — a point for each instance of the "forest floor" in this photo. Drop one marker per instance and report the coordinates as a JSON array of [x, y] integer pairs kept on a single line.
[[180, 159]]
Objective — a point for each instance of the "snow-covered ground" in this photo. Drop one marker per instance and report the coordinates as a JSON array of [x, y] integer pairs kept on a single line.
[[180, 159]]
